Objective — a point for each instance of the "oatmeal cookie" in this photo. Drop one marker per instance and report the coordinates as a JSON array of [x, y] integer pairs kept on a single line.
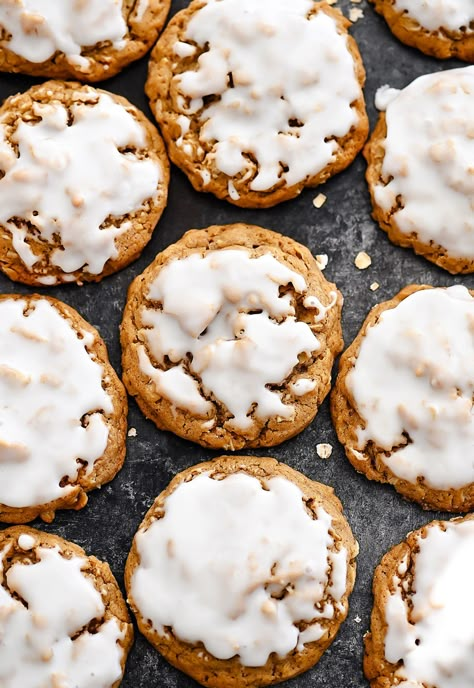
[[90, 40], [229, 337], [440, 28], [403, 400], [63, 620], [422, 596], [83, 181], [420, 167], [63, 411], [257, 101], [240, 572]]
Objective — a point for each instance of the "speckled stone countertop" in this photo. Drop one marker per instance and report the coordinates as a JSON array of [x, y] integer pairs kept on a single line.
[[340, 228]]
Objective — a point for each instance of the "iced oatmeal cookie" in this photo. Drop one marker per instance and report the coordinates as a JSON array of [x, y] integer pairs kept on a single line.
[[420, 167], [63, 620], [229, 337], [403, 401], [422, 629], [89, 40], [257, 101], [240, 572], [442, 28], [63, 410], [83, 182]]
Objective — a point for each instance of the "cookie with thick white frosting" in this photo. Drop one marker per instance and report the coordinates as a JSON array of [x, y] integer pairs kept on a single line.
[[229, 337], [442, 28], [422, 628], [241, 570], [403, 401], [90, 40], [63, 620], [83, 182], [257, 101], [420, 167], [63, 411]]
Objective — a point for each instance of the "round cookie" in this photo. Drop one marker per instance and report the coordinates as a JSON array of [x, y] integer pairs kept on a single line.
[[90, 40], [257, 101], [63, 411], [229, 337], [422, 628], [402, 405], [63, 619], [240, 572], [441, 28], [420, 170], [83, 181]]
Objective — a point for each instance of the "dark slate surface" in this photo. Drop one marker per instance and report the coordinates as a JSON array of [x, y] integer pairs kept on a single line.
[[341, 228]]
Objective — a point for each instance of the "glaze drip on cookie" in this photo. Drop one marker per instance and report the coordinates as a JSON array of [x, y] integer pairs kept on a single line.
[[71, 176], [53, 404], [412, 384], [429, 618], [451, 15], [251, 574], [427, 176], [286, 117], [228, 331], [37, 29], [47, 602]]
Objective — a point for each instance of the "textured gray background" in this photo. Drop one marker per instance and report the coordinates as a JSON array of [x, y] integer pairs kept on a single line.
[[341, 228]]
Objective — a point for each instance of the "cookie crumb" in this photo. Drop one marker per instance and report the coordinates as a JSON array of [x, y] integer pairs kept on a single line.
[[362, 260], [357, 619], [324, 450], [132, 432], [320, 200], [355, 13], [322, 260], [374, 286]]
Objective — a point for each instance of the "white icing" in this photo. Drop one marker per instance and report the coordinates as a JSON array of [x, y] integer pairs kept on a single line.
[[453, 15], [48, 382], [434, 639], [40, 28], [210, 566], [36, 647], [415, 373], [302, 386], [26, 542], [73, 181], [225, 310], [140, 9], [286, 67], [429, 153]]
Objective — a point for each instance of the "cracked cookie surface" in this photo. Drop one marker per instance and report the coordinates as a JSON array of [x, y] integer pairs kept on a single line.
[[229, 337], [250, 587]]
